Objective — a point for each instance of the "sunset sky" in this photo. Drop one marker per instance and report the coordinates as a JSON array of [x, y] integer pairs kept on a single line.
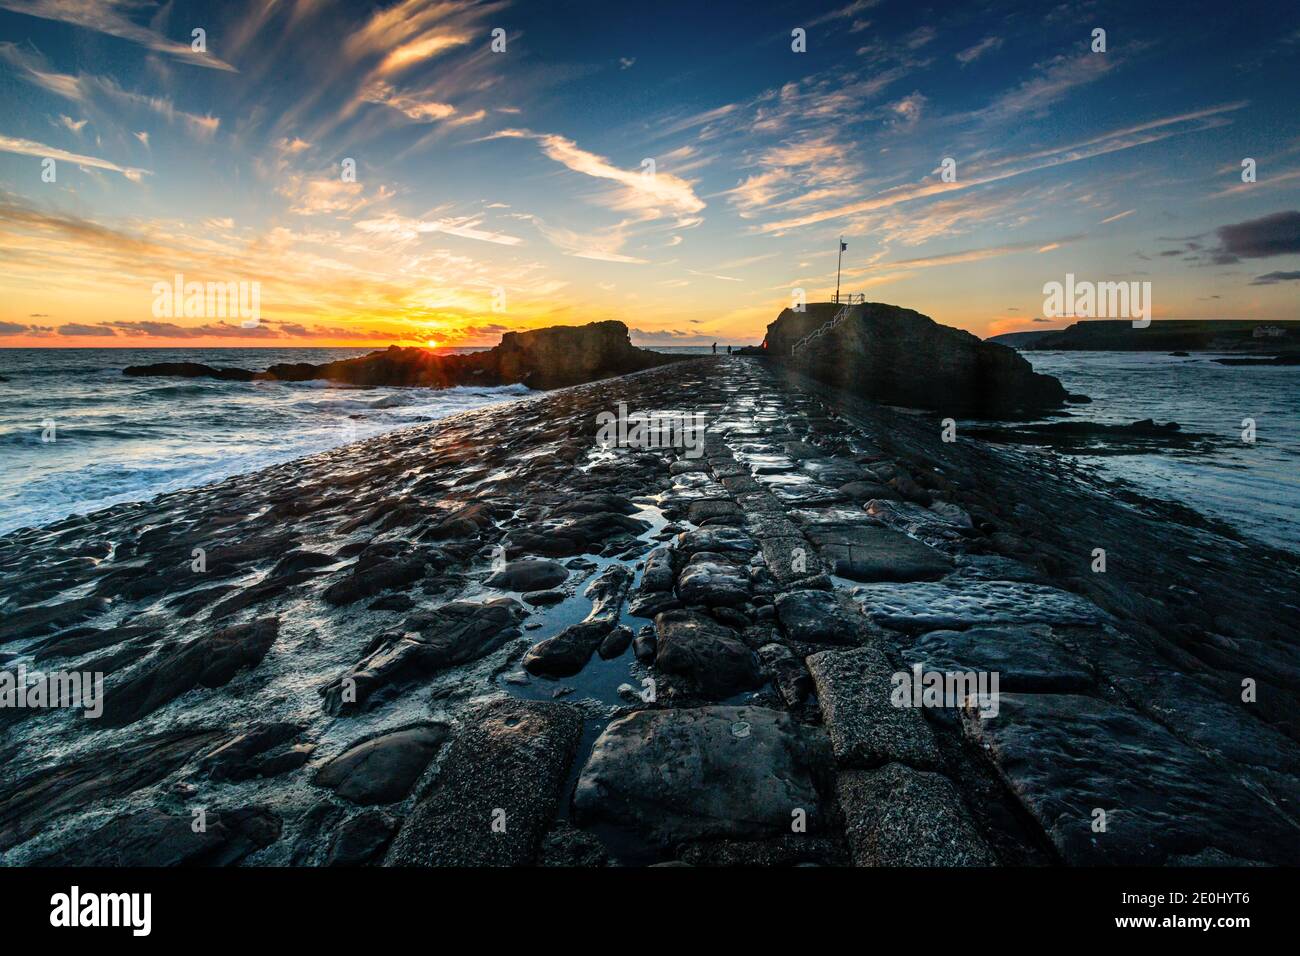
[[516, 178]]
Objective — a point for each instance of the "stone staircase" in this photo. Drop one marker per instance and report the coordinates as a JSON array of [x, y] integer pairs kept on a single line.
[[841, 314]]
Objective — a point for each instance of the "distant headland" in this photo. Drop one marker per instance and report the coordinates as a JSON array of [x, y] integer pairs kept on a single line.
[[1165, 335]]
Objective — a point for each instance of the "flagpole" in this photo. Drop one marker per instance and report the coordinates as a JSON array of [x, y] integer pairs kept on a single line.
[[839, 261]]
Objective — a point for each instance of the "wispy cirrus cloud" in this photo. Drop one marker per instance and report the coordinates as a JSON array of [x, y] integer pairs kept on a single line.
[[26, 147], [98, 94], [1013, 166], [1054, 80], [640, 189], [978, 255], [466, 228], [112, 17], [972, 53], [414, 31]]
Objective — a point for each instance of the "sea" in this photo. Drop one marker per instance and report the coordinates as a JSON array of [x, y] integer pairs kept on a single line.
[[1253, 485], [76, 435]]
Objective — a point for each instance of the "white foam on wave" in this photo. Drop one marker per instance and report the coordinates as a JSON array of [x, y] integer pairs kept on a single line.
[[239, 431]]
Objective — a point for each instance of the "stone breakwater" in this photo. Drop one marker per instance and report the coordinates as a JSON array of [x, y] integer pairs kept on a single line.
[[494, 640]]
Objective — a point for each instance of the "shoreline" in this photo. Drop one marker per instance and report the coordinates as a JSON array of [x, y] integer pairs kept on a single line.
[[354, 550]]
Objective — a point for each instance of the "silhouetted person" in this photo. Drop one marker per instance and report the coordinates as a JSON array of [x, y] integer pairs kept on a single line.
[[728, 349], [715, 348]]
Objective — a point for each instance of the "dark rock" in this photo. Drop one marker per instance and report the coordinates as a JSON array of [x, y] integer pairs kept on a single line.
[[539, 358], [264, 590], [190, 370], [187, 605], [382, 769], [544, 598], [788, 673], [30, 804], [710, 583], [866, 729], [793, 562], [718, 539], [897, 816], [362, 839], [464, 522], [208, 661], [595, 503], [392, 602], [1024, 658], [1286, 358], [153, 837], [245, 757], [454, 633], [496, 791], [568, 652], [699, 512], [704, 773], [899, 357], [1065, 756], [865, 490], [615, 643], [82, 640], [820, 617], [645, 644], [730, 616], [43, 618], [924, 606], [655, 593], [298, 561], [372, 575], [652, 603], [703, 656], [658, 574], [568, 846], [529, 574], [866, 553]]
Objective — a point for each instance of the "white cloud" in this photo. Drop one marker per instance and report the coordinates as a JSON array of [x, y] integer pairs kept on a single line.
[[642, 191], [110, 17], [973, 53]]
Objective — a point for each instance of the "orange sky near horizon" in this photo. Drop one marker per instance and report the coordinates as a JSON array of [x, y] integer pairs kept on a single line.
[[397, 180]]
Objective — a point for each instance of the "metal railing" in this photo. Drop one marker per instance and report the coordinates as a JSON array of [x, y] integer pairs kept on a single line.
[[841, 314], [850, 298]]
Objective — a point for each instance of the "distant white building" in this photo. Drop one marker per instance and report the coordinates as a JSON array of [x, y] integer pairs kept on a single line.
[[1269, 332]]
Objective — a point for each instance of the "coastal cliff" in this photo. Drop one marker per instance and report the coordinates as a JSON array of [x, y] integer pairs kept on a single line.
[[1162, 335], [897, 356]]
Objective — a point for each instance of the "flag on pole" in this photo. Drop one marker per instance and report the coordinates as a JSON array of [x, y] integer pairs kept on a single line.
[[843, 245]]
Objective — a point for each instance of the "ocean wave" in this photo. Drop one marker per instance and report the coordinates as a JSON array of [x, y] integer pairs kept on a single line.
[[177, 435]]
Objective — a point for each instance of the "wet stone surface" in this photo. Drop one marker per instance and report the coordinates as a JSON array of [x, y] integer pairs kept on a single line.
[[490, 640]]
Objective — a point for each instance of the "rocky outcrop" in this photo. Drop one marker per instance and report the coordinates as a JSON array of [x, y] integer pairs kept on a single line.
[[540, 358], [900, 357]]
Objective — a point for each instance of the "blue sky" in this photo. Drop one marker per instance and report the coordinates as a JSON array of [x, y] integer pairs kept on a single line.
[[507, 189]]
